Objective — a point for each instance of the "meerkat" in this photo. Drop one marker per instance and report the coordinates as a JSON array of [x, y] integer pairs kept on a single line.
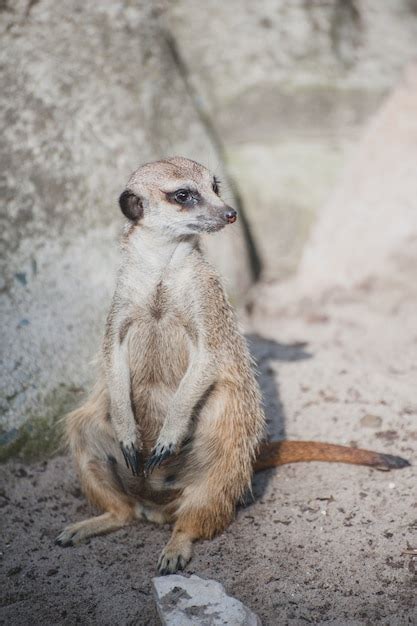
[[172, 431]]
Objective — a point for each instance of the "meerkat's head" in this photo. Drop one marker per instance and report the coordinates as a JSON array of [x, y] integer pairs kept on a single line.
[[177, 197]]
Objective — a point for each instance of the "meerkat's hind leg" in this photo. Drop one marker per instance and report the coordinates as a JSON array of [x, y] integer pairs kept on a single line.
[[99, 525], [176, 554], [103, 490], [107, 522]]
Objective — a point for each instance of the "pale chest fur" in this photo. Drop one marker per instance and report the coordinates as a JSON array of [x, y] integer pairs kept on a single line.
[[162, 335], [159, 322]]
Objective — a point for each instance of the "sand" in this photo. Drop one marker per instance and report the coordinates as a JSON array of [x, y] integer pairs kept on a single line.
[[318, 544]]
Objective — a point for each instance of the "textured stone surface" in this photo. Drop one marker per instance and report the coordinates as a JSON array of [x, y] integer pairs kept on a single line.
[[290, 85], [193, 601], [368, 228], [370, 223], [89, 91]]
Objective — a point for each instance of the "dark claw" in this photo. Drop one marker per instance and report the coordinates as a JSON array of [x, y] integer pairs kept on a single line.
[[158, 455], [63, 544], [132, 458], [170, 568]]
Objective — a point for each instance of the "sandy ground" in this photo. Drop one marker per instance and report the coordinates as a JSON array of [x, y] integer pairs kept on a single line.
[[319, 543]]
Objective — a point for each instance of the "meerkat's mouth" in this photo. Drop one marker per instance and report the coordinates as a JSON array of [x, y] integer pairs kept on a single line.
[[207, 226]]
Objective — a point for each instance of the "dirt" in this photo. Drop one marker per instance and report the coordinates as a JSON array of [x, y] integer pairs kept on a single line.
[[318, 543]]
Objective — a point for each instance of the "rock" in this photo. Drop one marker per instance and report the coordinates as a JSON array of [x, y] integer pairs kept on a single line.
[[369, 227], [288, 86], [367, 231], [370, 421], [89, 92], [193, 601]]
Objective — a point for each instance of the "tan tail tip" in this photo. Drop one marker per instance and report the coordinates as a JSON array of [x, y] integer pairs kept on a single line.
[[388, 462]]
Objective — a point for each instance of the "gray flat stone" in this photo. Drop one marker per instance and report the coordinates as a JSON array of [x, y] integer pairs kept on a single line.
[[194, 601]]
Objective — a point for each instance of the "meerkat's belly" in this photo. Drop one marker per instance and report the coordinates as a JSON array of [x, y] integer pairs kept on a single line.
[[159, 351]]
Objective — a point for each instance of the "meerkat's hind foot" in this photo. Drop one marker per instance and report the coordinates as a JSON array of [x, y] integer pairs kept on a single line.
[[176, 554], [81, 531]]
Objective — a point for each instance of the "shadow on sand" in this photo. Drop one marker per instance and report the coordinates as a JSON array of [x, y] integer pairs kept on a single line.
[[264, 351]]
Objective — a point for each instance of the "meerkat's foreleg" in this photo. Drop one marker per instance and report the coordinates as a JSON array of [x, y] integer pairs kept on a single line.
[[198, 378], [123, 421]]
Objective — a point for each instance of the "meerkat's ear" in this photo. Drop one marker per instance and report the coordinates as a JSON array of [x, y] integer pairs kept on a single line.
[[131, 205]]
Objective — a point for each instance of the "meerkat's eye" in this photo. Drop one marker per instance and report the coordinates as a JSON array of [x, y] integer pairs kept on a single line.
[[216, 186], [182, 196], [186, 197]]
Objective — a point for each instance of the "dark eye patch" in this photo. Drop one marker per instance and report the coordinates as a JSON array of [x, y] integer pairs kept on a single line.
[[216, 185], [184, 197]]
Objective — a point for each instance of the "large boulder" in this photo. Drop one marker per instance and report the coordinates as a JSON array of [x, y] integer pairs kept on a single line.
[[289, 86], [90, 90], [368, 229], [369, 226]]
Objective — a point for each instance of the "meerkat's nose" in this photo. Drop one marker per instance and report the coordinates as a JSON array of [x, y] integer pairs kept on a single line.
[[230, 216]]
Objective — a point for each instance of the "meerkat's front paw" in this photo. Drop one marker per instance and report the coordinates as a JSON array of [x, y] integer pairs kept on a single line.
[[158, 455], [132, 457]]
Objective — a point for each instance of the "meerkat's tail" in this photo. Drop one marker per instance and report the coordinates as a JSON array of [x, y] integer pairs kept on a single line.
[[276, 453]]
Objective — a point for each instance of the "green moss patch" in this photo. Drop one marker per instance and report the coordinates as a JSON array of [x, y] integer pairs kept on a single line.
[[40, 436]]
